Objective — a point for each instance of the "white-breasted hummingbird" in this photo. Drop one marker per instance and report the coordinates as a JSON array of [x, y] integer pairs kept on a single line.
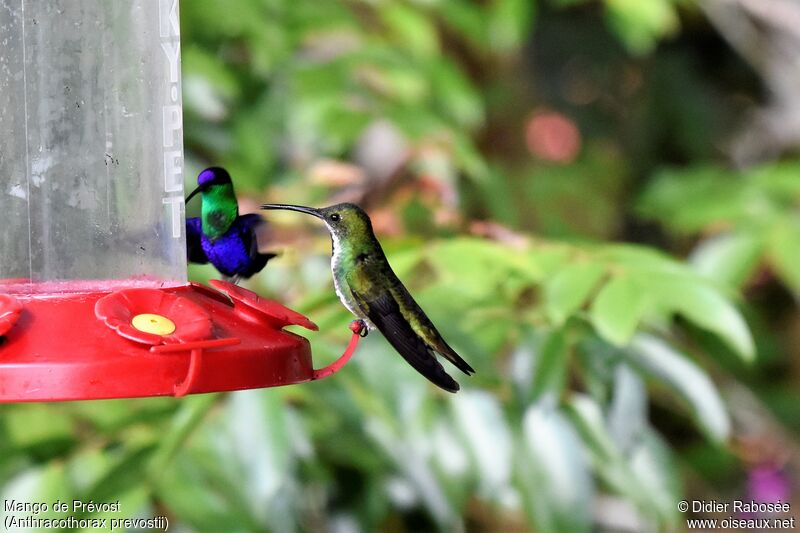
[[369, 288]]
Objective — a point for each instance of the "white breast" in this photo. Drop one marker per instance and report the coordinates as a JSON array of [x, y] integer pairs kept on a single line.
[[343, 292]]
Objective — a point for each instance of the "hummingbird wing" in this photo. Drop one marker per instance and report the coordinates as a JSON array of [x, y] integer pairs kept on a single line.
[[384, 312], [428, 332], [194, 241], [249, 223]]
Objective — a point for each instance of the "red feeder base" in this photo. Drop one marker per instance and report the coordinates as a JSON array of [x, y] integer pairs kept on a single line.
[[135, 342]]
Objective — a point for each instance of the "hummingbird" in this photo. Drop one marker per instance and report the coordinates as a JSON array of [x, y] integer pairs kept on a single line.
[[220, 235], [368, 287]]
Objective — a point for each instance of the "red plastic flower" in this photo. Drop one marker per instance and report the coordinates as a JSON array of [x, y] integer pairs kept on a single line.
[[10, 308], [153, 317], [251, 304]]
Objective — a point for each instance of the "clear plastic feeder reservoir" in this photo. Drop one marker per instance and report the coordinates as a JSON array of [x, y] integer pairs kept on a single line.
[[94, 301], [91, 180]]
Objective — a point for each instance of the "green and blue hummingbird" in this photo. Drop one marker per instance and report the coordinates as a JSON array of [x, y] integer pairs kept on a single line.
[[220, 235], [368, 287]]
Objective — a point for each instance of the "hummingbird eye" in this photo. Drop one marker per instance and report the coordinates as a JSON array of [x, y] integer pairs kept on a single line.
[[335, 217]]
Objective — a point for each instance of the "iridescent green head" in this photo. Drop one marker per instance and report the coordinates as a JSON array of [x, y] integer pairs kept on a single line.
[[347, 222], [219, 205]]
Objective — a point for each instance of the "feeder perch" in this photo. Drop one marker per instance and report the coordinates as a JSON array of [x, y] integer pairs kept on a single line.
[[94, 299]]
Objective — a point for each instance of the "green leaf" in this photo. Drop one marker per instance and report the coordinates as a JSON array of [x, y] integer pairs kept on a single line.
[[618, 309], [403, 83], [641, 259], [412, 28], [467, 19], [662, 361], [455, 95], [470, 160], [640, 24], [201, 497], [779, 179], [689, 200], [509, 23], [479, 267], [707, 308], [729, 258], [208, 84], [567, 291], [190, 415], [784, 253], [37, 426], [550, 366], [125, 472], [553, 475], [568, 3]]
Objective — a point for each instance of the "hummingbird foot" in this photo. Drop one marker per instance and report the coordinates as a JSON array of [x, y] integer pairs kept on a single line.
[[359, 327]]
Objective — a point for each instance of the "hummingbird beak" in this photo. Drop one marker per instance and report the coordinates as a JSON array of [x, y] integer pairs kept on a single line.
[[302, 209], [191, 194]]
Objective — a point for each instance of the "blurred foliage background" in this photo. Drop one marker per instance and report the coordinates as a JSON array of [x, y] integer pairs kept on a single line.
[[597, 202]]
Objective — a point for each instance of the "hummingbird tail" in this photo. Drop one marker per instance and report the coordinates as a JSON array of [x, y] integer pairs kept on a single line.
[[448, 353], [385, 314]]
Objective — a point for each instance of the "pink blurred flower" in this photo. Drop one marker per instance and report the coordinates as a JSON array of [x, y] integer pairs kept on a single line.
[[767, 483], [552, 137]]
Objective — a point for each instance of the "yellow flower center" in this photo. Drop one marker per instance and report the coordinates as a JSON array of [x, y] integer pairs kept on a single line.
[[150, 323]]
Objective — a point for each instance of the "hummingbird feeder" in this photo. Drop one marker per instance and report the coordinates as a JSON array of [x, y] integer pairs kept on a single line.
[[94, 298]]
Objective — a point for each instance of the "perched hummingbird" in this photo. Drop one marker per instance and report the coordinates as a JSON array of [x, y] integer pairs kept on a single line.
[[369, 288], [220, 235]]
